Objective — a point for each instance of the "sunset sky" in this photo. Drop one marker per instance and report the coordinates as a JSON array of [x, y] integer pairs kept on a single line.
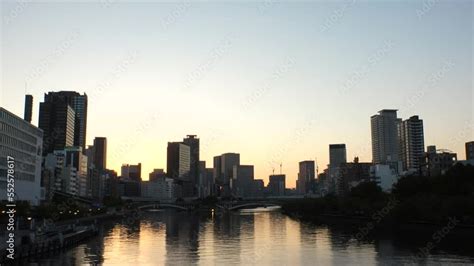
[[275, 82]]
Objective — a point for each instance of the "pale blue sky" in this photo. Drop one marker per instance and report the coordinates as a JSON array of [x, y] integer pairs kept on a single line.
[[273, 81]]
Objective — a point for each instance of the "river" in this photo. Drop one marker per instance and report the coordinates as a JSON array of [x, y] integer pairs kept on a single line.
[[249, 237]]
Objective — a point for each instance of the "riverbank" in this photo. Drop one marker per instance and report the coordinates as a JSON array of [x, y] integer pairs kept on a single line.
[[61, 235], [415, 203], [50, 245], [263, 238], [365, 225]]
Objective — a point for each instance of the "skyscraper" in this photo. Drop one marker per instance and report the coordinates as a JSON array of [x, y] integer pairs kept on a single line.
[[306, 177], [178, 160], [28, 108], [100, 153], [206, 180], [470, 150], [277, 185], [385, 143], [228, 161], [242, 180], [223, 171], [57, 120], [193, 142], [337, 154], [412, 143], [217, 163], [78, 103]]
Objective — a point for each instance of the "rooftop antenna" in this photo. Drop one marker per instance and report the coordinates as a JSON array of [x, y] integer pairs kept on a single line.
[[280, 167], [273, 170]]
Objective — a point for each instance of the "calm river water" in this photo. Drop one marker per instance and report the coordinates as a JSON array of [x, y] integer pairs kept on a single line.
[[249, 237]]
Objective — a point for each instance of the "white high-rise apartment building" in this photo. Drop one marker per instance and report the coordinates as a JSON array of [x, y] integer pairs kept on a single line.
[[23, 142], [385, 142]]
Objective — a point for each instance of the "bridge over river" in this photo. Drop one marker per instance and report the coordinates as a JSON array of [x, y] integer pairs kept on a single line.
[[142, 203]]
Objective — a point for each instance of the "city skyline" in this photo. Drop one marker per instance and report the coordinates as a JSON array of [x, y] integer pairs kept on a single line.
[[304, 104]]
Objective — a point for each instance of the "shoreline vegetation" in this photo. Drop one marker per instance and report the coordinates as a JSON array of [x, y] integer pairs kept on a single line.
[[440, 204], [415, 203]]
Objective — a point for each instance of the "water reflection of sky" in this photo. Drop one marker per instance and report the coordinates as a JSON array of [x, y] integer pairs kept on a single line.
[[259, 237]]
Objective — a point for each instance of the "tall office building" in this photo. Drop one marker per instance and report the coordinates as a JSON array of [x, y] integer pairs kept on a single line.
[[228, 161], [337, 154], [217, 163], [69, 168], [206, 180], [100, 153], [23, 142], [132, 172], [306, 177], [178, 160], [277, 185], [28, 108], [193, 142], [470, 150], [385, 143], [242, 180], [223, 171], [93, 174], [57, 120], [78, 103], [75, 159], [412, 142]]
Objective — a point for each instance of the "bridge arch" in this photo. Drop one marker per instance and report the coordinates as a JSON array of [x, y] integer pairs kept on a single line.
[[238, 206], [161, 206]]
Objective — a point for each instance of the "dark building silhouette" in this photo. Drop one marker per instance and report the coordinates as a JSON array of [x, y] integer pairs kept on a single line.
[[100, 153], [206, 181], [78, 103], [156, 175], [178, 160], [277, 185], [111, 184], [412, 142], [337, 154], [437, 162], [306, 177], [132, 172], [242, 180], [57, 120], [227, 162], [28, 108], [217, 162], [128, 188], [193, 142], [178, 166], [470, 150], [350, 174], [258, 188]]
